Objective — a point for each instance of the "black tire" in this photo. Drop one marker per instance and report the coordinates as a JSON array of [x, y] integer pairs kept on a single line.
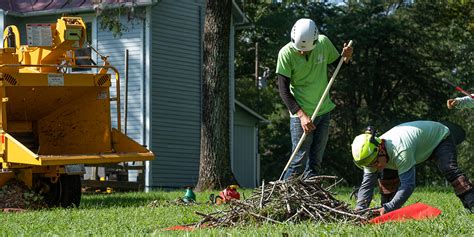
[[66, 192], [70, 191], [50, 191]]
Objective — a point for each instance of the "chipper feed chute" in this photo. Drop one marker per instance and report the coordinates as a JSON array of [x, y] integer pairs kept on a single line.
[[51, 118]]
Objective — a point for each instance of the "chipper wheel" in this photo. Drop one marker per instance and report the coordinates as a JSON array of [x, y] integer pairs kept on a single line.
[[66, 192]]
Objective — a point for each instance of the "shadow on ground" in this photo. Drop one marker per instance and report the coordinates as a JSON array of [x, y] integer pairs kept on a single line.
[[117, 200]]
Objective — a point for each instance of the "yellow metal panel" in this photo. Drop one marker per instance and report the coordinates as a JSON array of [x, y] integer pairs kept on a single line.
[[2, 146], [5, 177], [70, 32], [34, 103], [81, 126], [54, 79], [25, 175], [8, 56], [15, 152], [122, 143], [95, 159], [13, 30], [48, 171]]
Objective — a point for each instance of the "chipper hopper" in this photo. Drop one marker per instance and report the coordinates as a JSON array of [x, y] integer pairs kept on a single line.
[[51, 118]]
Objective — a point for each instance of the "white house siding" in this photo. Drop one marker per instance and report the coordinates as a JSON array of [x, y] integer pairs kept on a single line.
[[176, 92], [114, 47]]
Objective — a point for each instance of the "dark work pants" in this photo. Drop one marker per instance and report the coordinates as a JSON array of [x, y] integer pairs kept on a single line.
[[446, 159]]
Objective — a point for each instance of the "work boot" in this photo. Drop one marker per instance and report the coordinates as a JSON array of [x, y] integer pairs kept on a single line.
[[464, 189], [467, 200]]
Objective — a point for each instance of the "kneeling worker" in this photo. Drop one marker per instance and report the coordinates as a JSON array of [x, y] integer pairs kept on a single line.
[[395, 154]]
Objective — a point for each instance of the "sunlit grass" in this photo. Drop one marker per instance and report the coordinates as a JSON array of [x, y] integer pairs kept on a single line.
[[129, 214]]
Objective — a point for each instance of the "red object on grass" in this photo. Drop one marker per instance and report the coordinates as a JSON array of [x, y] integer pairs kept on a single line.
[[229, 194], [417, 211]]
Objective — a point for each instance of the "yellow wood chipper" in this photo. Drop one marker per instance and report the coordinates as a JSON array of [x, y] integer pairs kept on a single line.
[[53, 119]]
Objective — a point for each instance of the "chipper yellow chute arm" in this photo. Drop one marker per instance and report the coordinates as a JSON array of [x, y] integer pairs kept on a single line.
[[19, 155], [51, 118]]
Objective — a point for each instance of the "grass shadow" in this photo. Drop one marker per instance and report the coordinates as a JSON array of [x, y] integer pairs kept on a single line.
[[99, 201]]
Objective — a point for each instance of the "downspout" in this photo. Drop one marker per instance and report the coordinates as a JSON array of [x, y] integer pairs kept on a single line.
[[147, 129], [2, 23]]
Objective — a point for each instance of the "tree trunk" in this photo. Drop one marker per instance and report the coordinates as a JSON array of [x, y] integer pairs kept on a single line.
[[215, 170]]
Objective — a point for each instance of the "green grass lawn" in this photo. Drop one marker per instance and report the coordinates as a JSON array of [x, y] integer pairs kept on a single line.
[[129, 214]]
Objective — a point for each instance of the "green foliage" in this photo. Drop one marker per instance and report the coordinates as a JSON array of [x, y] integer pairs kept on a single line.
[[111, 21], [110, 17], [401, 53], [128, 214]]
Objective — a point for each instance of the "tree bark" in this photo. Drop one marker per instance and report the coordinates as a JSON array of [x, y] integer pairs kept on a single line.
[[215, 168]]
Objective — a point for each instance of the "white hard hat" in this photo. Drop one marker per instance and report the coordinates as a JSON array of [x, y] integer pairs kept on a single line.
[[304, 34]]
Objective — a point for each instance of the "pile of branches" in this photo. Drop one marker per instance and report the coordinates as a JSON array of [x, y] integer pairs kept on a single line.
[[16, 196], [289, 201]]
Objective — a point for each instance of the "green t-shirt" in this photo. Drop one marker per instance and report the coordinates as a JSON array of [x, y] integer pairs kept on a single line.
[[308, 75], [411, 143]]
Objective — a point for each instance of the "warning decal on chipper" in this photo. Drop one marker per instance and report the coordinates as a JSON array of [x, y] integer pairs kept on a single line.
[[39, 35], [55, 80]]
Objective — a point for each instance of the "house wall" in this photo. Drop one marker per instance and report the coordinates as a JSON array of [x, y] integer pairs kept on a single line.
[[176, 58], [245, 148]]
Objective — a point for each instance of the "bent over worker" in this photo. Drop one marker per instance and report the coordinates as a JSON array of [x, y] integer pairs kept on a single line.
[[395, 154]]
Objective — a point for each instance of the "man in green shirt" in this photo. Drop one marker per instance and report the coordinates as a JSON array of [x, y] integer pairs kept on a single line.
[[395, 154], [302, 78]]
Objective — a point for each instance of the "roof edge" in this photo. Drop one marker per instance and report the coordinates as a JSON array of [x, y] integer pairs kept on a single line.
[[250, 111], [73, 10], [239, 15]]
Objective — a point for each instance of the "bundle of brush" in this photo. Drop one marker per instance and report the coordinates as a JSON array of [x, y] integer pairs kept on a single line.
[[293, 200]]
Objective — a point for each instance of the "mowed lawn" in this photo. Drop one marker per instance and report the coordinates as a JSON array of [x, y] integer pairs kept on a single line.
[[130, 214]]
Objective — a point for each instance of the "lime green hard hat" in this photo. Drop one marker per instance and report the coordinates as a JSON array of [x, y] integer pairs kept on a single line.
[[365, 149]]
